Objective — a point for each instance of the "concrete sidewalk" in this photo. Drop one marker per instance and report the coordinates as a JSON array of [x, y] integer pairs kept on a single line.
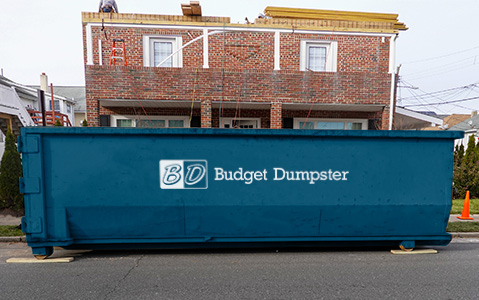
[[453, 218], [9, 220]]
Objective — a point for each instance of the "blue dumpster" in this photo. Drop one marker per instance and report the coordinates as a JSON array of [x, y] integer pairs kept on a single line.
[[132, 188]]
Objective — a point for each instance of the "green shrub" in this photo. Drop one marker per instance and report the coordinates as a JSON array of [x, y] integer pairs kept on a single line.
[[10, 172], [84, 123], [466, 170]]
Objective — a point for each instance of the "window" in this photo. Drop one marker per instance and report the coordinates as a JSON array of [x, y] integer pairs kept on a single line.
[[57, 105], [318, 56], [176, 123], [331, 124], [150, 121], [158, 48], [69, 108], [243, 123], [124, 123], [162, 50]]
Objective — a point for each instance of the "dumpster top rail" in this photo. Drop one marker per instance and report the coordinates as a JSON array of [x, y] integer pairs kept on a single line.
[[247, 132]]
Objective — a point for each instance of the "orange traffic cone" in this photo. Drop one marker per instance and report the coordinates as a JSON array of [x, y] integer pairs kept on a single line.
[[465, 209]]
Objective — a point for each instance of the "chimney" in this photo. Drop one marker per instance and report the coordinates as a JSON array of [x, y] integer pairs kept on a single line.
[[474, 113], [44, 82]]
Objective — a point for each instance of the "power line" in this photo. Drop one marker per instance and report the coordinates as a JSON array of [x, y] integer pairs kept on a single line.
[[445, 102], [452, 93], [465, 62], [423, 104], [442, 72], [442, 56], [460, 89]]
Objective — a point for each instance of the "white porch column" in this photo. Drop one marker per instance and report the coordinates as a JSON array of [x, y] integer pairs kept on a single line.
[[205, 49], [277, 43]]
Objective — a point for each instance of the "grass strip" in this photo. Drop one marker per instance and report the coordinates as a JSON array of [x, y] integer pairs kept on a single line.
[[7, 230], [463, 227], [457, 205]]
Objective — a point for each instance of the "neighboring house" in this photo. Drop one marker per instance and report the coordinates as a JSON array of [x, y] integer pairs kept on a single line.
[[77, 94], [14, 102], [64, 107], [295, 68], [19, 107], [454, 119], [406, 119], [12, 113], [470, 127]]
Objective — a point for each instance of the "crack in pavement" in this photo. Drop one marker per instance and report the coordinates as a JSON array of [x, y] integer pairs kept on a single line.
[[137, 263]]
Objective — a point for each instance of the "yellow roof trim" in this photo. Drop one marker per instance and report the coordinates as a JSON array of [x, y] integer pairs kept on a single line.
[[149, 19], [279, 10], [275, 23], [318, 14]]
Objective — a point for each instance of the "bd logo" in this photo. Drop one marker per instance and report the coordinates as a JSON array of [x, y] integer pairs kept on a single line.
[[183, 174]]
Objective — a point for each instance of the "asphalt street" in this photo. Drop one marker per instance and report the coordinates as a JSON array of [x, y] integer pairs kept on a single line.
[[353, 273]]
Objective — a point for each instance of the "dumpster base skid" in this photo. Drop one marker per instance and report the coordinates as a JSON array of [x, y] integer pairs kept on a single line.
[[42, 252], [409, 242]]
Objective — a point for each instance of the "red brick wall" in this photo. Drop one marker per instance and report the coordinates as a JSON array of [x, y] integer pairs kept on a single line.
[[115, 82], [242, 50], [110, 82], [241, 69], [247, 50], [192, 55], [355, 53]]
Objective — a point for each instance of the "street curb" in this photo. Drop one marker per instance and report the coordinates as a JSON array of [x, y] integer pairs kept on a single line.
[[13, 239], [465, 235], [455, 235]]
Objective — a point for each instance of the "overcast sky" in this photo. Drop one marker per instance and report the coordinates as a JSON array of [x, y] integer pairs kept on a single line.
[[439, 51]]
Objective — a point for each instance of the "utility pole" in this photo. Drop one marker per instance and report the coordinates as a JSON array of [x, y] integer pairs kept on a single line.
[[396, 81], [41, 99]]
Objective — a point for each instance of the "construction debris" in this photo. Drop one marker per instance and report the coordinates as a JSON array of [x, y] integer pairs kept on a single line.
[[192, 9], [341, 18]]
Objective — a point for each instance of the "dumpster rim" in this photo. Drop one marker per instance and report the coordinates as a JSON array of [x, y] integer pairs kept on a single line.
[[246, 132]]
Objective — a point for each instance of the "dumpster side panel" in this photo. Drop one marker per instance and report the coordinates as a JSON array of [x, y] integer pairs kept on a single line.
[[107, 188]]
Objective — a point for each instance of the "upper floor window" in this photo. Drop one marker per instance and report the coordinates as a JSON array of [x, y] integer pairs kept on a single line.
[[161, 51], [56, 103], [318, 56]]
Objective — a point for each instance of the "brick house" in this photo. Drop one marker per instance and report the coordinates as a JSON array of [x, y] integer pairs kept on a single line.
[[293, 68]]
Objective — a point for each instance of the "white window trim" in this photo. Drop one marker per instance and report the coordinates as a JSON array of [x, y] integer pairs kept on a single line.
[[114, 118], [331, 54], [228, 121], [147, 49], [364, 122]]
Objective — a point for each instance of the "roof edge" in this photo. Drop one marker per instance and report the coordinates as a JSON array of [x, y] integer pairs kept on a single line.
[[260, 23]]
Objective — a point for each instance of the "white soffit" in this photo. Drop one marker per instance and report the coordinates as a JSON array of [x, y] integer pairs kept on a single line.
[[418, 116]]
